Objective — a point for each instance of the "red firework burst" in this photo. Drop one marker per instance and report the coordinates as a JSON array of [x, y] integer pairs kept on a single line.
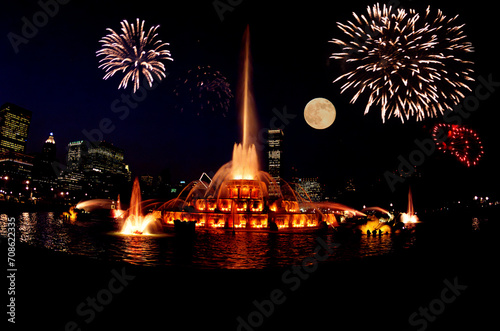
[[459, 141]]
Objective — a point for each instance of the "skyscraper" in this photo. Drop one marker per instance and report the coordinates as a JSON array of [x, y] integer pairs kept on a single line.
[[310, 186], [14, 125], [49, 147], [45, 172], [97, 168], [275, 152], [106, 158], [77, 151], [274, 159], [105, 170]]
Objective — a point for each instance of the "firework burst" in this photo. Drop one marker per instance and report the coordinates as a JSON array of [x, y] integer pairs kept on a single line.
[[410, 65], [133, 52], [459, 141], [203, 88]]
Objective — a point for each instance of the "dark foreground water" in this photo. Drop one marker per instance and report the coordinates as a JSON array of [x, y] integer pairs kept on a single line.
[[208, 249], [86, 277]]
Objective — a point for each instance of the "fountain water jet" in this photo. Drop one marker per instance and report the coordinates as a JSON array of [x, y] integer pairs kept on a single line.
[[409, 217], [136, 223], [245, 164], [246, 99]]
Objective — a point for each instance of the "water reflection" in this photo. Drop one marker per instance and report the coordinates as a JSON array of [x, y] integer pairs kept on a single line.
[[215, 249], [144, 250]]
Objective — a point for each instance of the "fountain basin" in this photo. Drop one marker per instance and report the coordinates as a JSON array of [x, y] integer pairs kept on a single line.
[[244, 204]]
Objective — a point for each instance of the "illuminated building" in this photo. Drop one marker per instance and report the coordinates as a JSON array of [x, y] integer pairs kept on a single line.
[[15, 166], [72, 178], [275, 152], [77, 151], [104, 157], [105, 170], [49, 147], [96, 168], [274, 157], [15, 172], [14, 125], [71, 181], [311, 186], [45, 169]]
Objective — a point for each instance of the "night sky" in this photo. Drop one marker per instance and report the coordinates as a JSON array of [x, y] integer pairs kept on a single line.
[[56, 76]]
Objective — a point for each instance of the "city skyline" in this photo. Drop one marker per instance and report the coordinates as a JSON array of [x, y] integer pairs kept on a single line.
[[67, 95]]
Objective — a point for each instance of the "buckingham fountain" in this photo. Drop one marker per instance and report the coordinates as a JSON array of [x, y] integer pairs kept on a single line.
[[239, 196]]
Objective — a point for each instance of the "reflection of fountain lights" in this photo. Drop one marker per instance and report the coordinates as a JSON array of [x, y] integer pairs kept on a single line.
[[139, 249], [71, 214]]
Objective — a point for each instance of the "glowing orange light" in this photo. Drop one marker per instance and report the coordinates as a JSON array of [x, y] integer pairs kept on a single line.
[[136, 223]]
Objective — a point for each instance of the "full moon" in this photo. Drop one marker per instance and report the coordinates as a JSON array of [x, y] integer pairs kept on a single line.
[[319, 113]]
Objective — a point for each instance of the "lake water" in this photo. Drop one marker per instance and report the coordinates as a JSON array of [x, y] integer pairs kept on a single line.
[[207, 249]]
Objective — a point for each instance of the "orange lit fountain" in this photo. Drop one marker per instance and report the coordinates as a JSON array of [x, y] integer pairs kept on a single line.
[[240, 196], [409, 218], [136, 223]]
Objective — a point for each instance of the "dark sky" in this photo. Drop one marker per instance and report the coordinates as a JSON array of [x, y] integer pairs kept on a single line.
[[56, 75]]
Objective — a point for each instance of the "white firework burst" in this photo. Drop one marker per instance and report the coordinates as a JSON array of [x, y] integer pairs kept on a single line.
[[133, 52], [409, 65]]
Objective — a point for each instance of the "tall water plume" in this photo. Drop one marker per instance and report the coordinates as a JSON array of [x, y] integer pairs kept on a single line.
[[245, 163]]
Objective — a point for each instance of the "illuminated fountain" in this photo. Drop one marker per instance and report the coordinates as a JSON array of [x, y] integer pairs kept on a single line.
[[136, 223], [96, 204], [240, 196], [83, 210], [118, 212], [71, 215], [234, 200], [378, 219], [409, 218]]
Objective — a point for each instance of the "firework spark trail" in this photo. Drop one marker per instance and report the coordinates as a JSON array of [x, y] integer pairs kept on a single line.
[[133, 52], [410, 65], [203, 88], [459, 141]]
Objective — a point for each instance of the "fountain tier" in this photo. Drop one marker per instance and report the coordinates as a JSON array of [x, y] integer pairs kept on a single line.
[[244, 204]]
